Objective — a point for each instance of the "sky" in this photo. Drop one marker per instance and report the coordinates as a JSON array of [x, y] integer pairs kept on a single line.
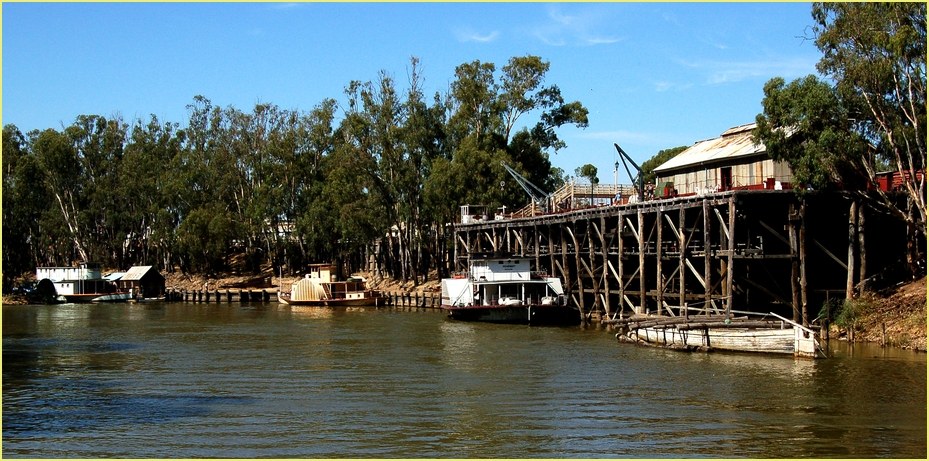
[[652, 75]]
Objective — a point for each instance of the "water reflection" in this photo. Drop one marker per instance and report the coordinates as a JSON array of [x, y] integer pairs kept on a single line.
[[265, 380]]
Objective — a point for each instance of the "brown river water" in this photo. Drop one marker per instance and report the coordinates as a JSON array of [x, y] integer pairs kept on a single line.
[[247, 381]]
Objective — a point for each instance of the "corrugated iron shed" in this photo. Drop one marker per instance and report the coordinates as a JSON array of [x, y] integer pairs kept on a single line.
[[734, 144]]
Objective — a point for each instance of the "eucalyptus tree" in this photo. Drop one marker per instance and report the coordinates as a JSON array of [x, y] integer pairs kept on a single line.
[[870, 116], [25, 201], [876, 53], [63, 179], [425, 140], [487, 109], [303, 178], [588, 172], [648, 166], [372, 140], [203, 190], [394, 138], [99, 144], [145, 175]]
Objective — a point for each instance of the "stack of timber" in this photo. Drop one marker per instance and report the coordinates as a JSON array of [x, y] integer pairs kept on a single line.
[[720, 332]]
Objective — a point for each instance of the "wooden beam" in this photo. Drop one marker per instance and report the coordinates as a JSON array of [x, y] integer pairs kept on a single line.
[[773, 232], [620, 223], [632, 227], [605, 252], [659, 275], [682, 247], [731, 255], [641, 216], [830, 254], [674, 229], [707, 260], [852, 242], [723, 224], [803, 281]]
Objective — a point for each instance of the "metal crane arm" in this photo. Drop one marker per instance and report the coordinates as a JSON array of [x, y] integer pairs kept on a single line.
[[536, 194], [639, 179]]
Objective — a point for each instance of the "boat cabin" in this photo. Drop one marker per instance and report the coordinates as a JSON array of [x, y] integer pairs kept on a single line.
[[500, 270], [500, 281], [83, 271]]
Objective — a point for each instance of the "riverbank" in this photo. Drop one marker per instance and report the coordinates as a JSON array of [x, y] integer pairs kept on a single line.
[[896, 317]]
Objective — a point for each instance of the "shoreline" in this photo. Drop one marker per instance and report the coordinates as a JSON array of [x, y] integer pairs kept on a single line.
[[897, 318]]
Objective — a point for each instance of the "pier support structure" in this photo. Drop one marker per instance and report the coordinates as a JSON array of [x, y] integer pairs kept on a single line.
[[755, 251]]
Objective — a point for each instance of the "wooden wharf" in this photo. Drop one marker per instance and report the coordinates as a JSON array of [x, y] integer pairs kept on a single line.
[[224, 295], [753, 250], [395, 299]]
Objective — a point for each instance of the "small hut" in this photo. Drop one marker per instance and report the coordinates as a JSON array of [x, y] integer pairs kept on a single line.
[[144, 281]]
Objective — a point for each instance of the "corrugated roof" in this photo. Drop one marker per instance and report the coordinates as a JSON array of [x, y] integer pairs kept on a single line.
[[136, 272], [733, 143]]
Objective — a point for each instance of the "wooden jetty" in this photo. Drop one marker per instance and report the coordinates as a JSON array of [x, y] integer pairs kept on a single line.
[[753, 250], [395, 299], [224, 295]]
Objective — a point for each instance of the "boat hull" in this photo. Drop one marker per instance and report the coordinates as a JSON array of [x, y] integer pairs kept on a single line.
[[284, 298], [533, 314], [112, 298], [789, 340], [78, 298]]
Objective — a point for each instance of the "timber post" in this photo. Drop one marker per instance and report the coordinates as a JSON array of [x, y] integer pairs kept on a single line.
[[762, 251]]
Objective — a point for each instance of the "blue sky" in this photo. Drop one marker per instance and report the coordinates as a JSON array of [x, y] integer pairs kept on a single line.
[[653, 75]]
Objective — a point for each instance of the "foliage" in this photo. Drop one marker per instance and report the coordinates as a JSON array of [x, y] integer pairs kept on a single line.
[[648, 166], [869, 115], [846, 314], [850, 315], [271, 187], [806, 125], [588, 172]]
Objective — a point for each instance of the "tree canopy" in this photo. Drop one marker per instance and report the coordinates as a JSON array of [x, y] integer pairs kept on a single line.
[[376, 178], [869, 117]]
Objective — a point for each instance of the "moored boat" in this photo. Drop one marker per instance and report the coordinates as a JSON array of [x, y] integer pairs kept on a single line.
[[320, 288], [505, 290], [113, 298], [778, 336], [80, 284]]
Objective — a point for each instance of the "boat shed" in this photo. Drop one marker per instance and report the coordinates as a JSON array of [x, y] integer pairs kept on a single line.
[[144, 281], [732, 161]]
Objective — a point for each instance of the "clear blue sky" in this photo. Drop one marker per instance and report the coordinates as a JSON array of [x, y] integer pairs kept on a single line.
[[653, 75]]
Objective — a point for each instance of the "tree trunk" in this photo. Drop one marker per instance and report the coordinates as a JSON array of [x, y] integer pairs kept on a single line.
[[852, 241]]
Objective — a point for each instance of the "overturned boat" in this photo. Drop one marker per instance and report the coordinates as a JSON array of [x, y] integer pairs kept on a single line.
[[505, 290]]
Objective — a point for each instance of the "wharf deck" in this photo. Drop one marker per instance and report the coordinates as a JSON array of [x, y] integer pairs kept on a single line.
[[759, 251]]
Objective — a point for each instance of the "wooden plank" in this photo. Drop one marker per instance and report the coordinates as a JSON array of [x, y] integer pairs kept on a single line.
[[693, 270]]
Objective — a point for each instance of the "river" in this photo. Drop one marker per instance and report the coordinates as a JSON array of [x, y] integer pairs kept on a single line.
[[238, 380]]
